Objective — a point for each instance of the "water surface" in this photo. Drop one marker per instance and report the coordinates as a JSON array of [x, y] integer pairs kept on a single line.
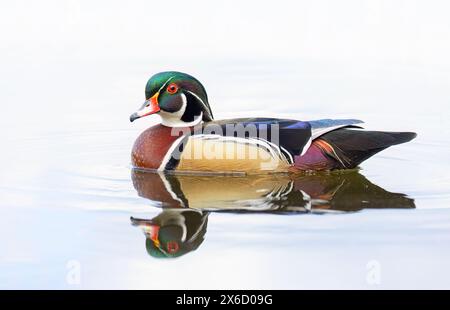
[[73, 197], [74, 215]]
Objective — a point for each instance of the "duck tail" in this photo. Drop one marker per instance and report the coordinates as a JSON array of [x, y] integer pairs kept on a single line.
[[350, 147]]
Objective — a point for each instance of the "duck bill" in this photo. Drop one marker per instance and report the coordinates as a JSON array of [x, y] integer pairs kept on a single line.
[[150, 106], [150, 229]]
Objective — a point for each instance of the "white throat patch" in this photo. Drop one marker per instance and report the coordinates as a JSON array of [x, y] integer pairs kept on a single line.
[[174, 119]]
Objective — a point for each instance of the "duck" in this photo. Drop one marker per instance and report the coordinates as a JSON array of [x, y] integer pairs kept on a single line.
[[190, 140]]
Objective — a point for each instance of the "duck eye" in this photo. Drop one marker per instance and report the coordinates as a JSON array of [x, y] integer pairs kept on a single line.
[[172, 88]]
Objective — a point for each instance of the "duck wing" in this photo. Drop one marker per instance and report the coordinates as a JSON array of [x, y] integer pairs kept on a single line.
[[323, 126], [290, 137], [285, 139], [295, 136], [350, 147]]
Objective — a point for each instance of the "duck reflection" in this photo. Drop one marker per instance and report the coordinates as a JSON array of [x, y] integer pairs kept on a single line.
[[174, 232], [187, 200]]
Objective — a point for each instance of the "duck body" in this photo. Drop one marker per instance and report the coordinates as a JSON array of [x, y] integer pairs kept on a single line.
[[190, 140], [301, 146]]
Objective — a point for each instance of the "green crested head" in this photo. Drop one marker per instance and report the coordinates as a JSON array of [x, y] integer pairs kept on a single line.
[[179, 98]]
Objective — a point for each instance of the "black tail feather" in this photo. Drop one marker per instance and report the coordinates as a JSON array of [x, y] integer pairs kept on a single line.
[[351, 146]]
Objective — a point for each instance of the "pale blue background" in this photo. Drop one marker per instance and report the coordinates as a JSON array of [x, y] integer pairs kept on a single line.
[[73, 71]]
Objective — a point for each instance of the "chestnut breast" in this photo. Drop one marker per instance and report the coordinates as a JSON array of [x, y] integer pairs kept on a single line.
[[152, 145]]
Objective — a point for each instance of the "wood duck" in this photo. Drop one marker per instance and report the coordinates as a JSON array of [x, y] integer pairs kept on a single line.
[[190, 140]]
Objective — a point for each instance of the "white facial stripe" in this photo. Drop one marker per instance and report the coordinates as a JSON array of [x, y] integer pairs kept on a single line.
[[174, 119], [200, 99], [171, 117], [165, 83], [198, 230], [181, 111]]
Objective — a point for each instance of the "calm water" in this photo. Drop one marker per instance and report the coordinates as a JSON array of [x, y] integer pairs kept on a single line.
[[68, 195], [74, 215]]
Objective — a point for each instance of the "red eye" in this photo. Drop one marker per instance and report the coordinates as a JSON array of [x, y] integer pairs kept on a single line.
[[172, 247], [172, 88]]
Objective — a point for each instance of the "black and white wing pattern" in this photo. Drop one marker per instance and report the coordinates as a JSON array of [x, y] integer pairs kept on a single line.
[[288, 137]]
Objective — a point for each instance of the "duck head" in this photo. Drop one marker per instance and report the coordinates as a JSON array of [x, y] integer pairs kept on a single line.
[[180, 100], [174, 232]]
